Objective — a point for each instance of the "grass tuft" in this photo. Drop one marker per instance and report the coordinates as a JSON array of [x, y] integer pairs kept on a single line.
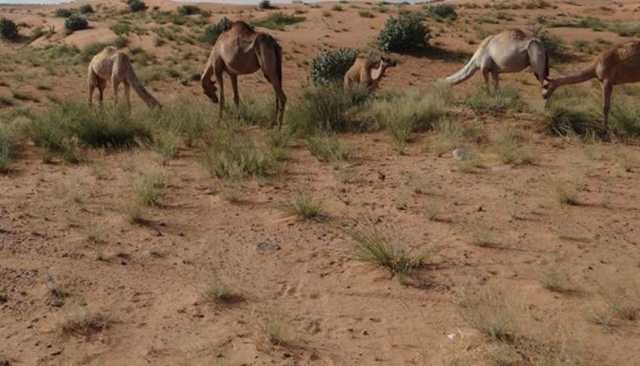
[[305, 208], [85, 323]]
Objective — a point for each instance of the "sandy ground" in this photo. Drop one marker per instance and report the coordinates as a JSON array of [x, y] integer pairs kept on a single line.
[[302, 275]]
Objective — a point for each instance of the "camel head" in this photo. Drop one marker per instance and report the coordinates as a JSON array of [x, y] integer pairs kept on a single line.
[[386, 62], [210, 90]]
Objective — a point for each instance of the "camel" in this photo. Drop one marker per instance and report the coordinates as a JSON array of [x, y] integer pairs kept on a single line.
[[618, 65], [114, 65], [507, 52], [239, 51], [366, 72]]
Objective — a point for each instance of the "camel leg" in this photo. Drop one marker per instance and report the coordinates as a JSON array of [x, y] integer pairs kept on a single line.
[[607, 90], [116, 87], [220, 81], [102, 84], [93, 83], [496, 80], [91, 90], [234, 86], [485, 75], [127, 94]]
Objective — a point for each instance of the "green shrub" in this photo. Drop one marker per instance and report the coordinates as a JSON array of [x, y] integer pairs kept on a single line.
[[75, 23], [265, 5], [61, 130], [86, 9], [213, 31], [149, 188], [136, 5], [325, 109], [8, 29], [188, 10], [624, 118], [330, 66], [570, 122], [121, 42], [481, 101], [304, 207], [231, 155], [404, 32], [191, 121], [443, 11], [328, 149], [278, 21], [63, 13]]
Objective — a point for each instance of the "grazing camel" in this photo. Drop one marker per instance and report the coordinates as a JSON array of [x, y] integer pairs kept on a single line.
[[114, 65], [238, 51], [618, 65], [506, 52], [366, 72]]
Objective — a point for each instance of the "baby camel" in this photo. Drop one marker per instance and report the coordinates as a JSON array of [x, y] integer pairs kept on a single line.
[[366, 72], [238, 51], [506, 52], [114, 65], [618, 65]]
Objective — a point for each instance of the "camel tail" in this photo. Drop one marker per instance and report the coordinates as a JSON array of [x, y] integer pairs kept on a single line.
[[470, 68], [135, 83]]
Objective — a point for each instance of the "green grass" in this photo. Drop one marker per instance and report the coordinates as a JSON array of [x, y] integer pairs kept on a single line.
[[328, 148], [495, 103], [512, 148], [305, 208], [278, 21], [374, 247], [149, 187]]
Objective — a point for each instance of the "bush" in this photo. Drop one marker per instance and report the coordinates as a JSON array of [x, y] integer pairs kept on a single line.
[[331, 65], [189, 10], [8, 29], [86, 9], [403, 33], [482, 101], [324, 109], [328, 149], [265, 5], [136, 5], [7, 147], [61, 130], [213, 31], [443, 11], [63, 13], [75, 23], [277, 21]]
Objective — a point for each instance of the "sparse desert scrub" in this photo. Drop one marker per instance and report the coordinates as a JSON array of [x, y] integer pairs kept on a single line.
[[330, 66], [165, 143], [136, 5], [410, 112], [512, 148], [624, 119], [220, 292], [84, 322], [277, 20], [366, 14], [8, 144], [497, 102], [186, 119], [452, 134], [385, 250], [482, 236], [149, 187], [254, 111], [556, 281], [305, 208], [8, 29], [230, 154], [324, 109], [75, 23], [488, 311], [328, 148], [275, 330], [213, 31], [623, 301], [442, 11], [566, 191], [565, 121]]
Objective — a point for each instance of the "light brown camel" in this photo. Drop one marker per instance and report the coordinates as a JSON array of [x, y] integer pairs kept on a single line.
[[618, 65], [238, 51], [366, 72], [114, 65], [506, 52]]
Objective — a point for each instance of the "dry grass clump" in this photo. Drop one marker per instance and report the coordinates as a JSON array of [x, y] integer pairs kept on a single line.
[[488, 311], [512, 148], [305, 208], [84, 322], [556, 281], [220, 292]]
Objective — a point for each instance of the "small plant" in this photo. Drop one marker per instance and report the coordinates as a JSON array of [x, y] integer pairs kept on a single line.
[[85, 323], [442, 11], [404, 32], [75, 23], [554, 280], [305, 208], [4, 297], [374, 247], [328, 149], [213, 31], [136, 5], [165, 143], [512, 148], [569, 122], [624, 119], [86, 9], [134, 212], [265, 5], [7, 147], [505, 99], [276, 330], [330, 66], [366, 14], [217, 291], [566, 191], [63, 13], [623, 302], [8, 29], [483, 237], [489, 312], [185, 10], [337, 7], [599, 315], [278, 20], [150, 187]]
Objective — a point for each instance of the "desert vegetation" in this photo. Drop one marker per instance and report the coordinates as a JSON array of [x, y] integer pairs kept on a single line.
[[420, 223]]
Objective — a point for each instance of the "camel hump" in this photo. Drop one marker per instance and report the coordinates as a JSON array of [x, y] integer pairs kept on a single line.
[[517, 34], [241, 28], [629, 51]]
